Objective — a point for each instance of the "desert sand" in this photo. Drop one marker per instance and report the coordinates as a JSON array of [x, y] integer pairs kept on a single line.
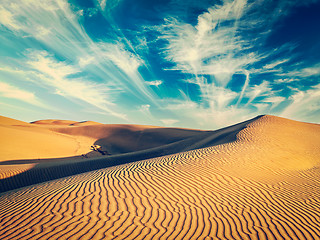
[[21, 140], [26, 145], [255, 180]]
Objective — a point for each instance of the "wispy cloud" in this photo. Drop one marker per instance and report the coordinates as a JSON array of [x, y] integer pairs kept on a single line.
[[7, 19], [107, 5], [209, 65], [211, 47], [305, 105], [59, 77], [169, 122], [255, 91], [54, 25], [194, 115], [10, 91], [212, 51], [305, 72], [275, 64], [155, 83], [274, 101]]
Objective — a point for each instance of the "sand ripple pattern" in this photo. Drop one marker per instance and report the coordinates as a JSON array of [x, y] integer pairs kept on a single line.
[[12, 170], [201, 194]]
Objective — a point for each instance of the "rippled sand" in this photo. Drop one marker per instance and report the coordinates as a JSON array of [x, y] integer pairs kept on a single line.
[[264, 185]]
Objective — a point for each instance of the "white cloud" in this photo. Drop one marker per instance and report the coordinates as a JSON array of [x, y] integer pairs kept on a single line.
[[46, 64], [214, 119], [213, 46], [58, 75], [154, 83], [7, 19], [89, 12], [145, 108], [310, 71], [123, 65], [219, 97], [175, 104], [102, 4], [246, 83], [84, 61], [257, 91], [125, 60], [212, 51], [42, 32], [9, 91], [285, 80], [302, 72], [209, 52], [192, 114], [54, 25], [107, 5], [275, 101], [11, 70], [262, 107], [305, 105], [214, 96], [275, 64], [169, 122]]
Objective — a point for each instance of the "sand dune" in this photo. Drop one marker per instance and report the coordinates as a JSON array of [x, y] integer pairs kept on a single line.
[[41, 139], [54, 122], [154, 142], [20, 140], [263, 185], [64, 122], [85, 123], [117, 138], [63, 140]]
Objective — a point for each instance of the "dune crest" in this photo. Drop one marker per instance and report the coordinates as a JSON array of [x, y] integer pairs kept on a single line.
[[263, 185], [85, 123], [54, 122], [289, 144]]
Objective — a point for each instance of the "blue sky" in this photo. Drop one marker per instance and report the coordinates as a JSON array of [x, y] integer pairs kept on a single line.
[[180, 63]]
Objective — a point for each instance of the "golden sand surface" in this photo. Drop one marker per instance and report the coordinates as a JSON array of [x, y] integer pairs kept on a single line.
[[51, 139], [64, 138], [21, 140], [265, 185]]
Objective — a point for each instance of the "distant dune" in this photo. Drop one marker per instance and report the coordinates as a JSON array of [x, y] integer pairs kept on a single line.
[[254, 180], [20, 140], [63, 138], [54, 122]]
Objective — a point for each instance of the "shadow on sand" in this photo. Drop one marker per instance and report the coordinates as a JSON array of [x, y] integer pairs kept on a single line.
[[50, 169]]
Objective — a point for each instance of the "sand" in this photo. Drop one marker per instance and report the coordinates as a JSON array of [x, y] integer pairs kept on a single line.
[[21, 140], [263, 185], [59, 141]]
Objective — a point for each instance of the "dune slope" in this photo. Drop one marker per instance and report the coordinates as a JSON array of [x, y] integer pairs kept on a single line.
[[155, 143], [21, 140], [264, 185]]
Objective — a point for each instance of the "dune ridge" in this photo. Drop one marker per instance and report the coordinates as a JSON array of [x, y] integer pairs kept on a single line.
[[244, 189]]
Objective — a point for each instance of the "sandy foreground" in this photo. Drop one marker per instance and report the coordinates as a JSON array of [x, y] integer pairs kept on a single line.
[[263, 185]]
